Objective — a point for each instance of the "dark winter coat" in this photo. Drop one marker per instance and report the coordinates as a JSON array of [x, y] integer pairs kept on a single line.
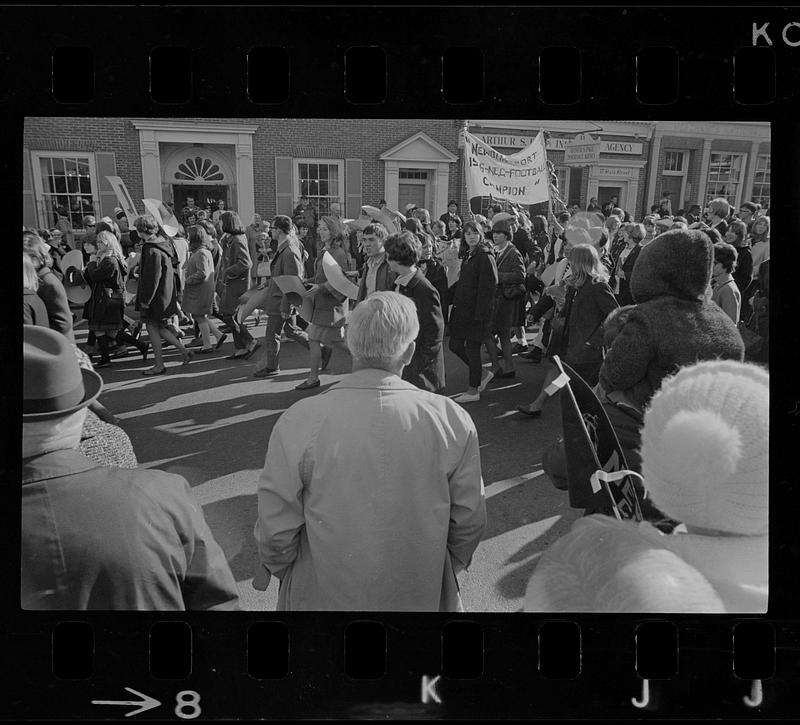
[[673, 324], [109, 275], [625, 297], [426, 369], [743, 274], [159, 282], [592, 303], [288, 261], [510, 274], [234, 272], [473, 300], [52, 293], [436, 274], [33, 310], [384, 280], [97, 537], [525, 245]]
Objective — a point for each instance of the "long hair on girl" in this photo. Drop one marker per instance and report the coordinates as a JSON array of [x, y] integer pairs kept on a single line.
[[585, 264]]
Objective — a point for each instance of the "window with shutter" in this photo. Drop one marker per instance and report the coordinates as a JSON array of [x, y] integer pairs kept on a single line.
[[66, 186]]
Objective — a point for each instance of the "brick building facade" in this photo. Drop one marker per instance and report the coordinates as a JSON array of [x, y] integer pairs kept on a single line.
[[698, 161], [263, 165]]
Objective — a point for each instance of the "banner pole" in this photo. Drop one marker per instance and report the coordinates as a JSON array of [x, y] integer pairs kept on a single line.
[[464, 141]]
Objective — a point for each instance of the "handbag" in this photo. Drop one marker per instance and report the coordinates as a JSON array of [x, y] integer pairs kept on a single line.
[[115, 299], [559, 337], [263, 269], [749, 332]]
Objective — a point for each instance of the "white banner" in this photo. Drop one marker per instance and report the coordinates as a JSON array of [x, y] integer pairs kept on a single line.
[[522, 177]]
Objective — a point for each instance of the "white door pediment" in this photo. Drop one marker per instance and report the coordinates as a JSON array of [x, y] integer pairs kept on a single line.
[[419, 147]]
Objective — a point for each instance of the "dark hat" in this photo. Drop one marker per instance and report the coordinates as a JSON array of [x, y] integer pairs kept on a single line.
[[54, 385]]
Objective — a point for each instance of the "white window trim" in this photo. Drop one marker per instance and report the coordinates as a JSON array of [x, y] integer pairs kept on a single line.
[[740, 184], [330, 162], [682, 172], [426, 182], [38, 187], [769, 168]]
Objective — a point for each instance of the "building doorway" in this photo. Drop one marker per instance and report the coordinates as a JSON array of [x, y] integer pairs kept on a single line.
[[412, 188], [410, 194], [204, 196], [674, 185], [604, 194]]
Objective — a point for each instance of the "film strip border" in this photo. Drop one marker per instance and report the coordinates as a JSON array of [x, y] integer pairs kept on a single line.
[[309, 666], [667, 62], [339, 61]]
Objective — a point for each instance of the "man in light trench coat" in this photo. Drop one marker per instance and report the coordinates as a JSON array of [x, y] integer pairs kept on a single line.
[[371, 497]]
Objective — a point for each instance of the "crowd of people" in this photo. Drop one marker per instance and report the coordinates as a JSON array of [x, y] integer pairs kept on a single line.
[[627, 304]]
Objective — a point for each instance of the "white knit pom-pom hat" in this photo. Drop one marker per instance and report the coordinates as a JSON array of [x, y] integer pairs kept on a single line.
[[705, 447]]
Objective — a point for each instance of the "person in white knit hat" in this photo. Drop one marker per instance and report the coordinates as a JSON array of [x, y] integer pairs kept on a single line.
[[705, 462]]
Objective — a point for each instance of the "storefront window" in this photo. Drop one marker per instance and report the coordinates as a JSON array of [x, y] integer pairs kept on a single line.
[[725, 174], [319, 181], [761, 182], [65, 188]]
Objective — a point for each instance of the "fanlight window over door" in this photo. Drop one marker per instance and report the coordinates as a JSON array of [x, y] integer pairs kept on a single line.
[[198, 169]]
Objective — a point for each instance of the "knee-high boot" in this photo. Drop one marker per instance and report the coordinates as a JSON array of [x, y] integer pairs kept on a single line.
[[129, 339], [105, 359]]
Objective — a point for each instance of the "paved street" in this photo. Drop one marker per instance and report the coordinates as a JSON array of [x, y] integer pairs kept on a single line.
[[210, 422]]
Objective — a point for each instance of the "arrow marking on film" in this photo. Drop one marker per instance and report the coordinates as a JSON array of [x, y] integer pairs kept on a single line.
[[146, 703]]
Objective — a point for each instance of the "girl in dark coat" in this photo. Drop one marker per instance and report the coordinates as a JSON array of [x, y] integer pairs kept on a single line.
[[743, 274], [106, 275], [232, 281], [157, 295], [587, 301], [473, 309], [511, 281], [434, 272], [632, 235]]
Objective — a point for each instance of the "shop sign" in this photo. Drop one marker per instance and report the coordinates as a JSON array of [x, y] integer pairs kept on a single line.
[[583, 150], [556, 143]]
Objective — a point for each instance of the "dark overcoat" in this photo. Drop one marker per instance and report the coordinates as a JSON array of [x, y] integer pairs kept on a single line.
[[474, 296], [426, 369], [159, 282], [109, 274], [97, 537]]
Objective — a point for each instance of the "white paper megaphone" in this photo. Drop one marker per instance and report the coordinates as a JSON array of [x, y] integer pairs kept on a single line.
[[163, 215]]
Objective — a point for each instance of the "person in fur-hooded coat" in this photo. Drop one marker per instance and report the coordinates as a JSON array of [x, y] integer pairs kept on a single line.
[[673, 324], [705, 460]]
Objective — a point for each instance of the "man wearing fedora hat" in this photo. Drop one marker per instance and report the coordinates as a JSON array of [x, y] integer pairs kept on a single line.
[[96, 537]]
